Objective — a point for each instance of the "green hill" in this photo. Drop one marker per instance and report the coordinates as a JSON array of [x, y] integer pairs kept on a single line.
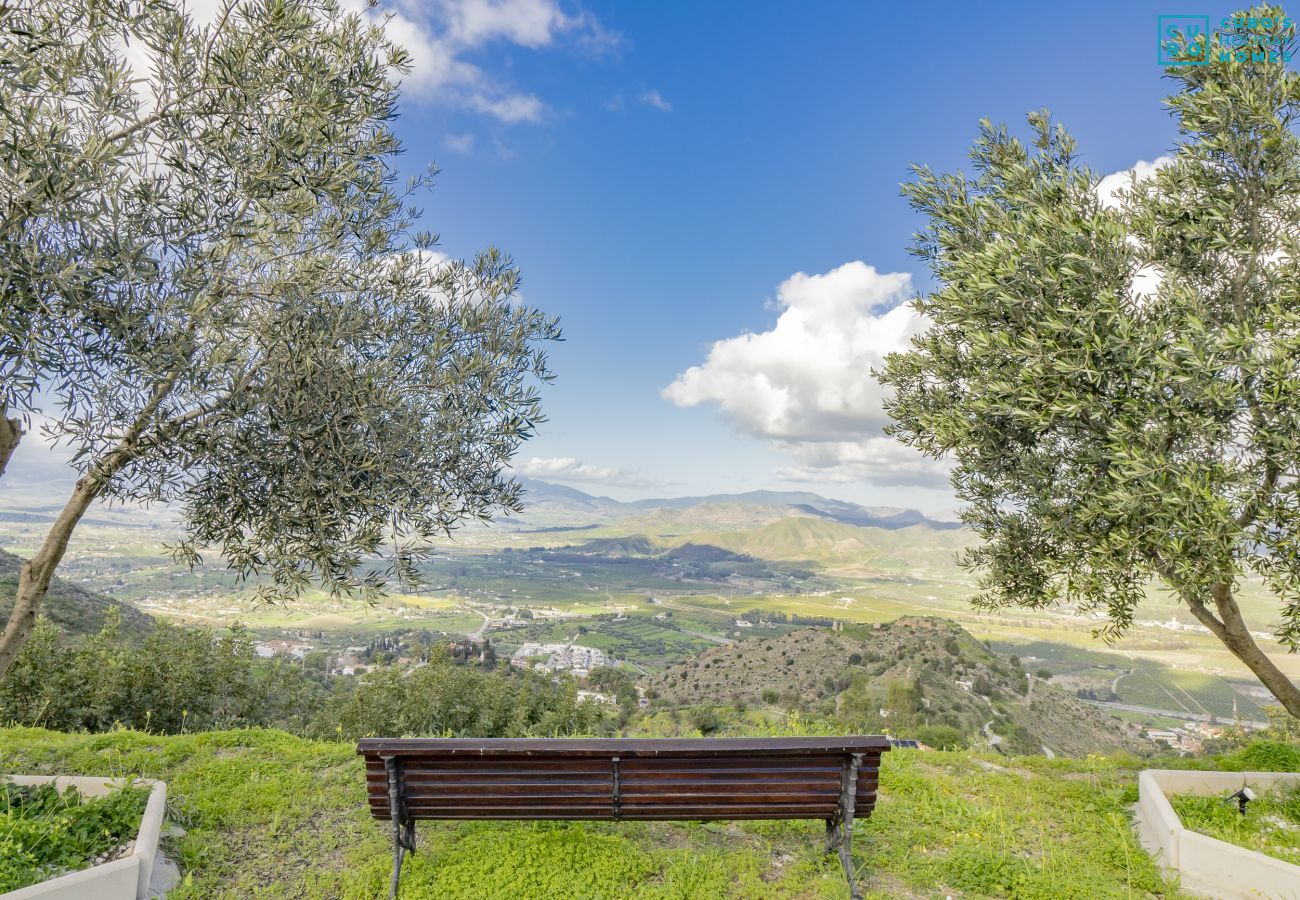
[[270, 815], [943, 675], [73, 608], [804, 539]]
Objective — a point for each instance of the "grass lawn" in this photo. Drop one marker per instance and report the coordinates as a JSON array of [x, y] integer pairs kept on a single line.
[[271, 815]]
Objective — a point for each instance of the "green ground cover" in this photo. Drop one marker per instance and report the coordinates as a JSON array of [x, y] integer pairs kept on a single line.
[[45, 833], [269, 815], [1271, 824]]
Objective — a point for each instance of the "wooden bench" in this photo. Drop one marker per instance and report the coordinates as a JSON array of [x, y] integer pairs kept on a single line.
[[830, 778]]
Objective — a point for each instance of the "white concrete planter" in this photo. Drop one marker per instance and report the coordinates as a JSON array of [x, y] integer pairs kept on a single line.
[[1204, 864], [121, 879]]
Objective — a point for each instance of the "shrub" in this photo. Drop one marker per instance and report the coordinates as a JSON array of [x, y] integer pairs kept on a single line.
[[1266, 756], [177, 679], [940, 737], [444, 699]]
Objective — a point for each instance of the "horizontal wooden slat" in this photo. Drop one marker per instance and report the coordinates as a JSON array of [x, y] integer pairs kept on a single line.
[[735, 797], [511, 790], [803, 745], [759, 763], [714, 815], [499, 776], [625, 747], [697, 774], [733, 783], [491, 765], [499, 801]]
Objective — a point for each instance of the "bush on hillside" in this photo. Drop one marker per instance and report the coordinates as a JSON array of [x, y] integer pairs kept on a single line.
[[1264, 756], [177, 679], [940, 737], [193, 679], [442, 699]]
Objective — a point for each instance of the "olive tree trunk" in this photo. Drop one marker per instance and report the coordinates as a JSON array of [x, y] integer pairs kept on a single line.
[[34, 577], [1230, 628], [35, 574]]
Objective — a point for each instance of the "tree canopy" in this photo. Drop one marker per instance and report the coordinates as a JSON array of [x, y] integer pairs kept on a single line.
[[216, 293], [1117, 382]]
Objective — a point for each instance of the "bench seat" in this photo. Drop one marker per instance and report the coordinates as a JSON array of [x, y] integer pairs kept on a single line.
[[615, 779]]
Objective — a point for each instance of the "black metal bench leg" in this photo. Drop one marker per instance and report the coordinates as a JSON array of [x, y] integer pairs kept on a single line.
[[844, 840], [403, 826], [398, 853]]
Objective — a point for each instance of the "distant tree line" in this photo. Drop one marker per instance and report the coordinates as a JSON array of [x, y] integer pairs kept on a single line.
[[192, 679]]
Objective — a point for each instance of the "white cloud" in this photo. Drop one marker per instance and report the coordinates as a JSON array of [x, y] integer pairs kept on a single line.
[[806, 384], [459, 143], [656, 99], [440, 34], [807, 378], [878, 460], [1109, 186], [566, 468], [1146, 281]]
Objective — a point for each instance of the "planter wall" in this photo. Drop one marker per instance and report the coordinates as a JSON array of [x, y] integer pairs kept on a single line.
[[1204, 864], [122, 879]]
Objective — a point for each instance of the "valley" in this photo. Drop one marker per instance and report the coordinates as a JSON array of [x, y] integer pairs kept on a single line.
[[654, 584]]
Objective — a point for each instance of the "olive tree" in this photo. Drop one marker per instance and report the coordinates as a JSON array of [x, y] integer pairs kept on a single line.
[[1118, 385], [214, 292]]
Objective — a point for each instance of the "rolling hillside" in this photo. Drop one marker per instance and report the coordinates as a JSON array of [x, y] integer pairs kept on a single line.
[[800, 540], [73, 608], [837, 545], [855, 673]]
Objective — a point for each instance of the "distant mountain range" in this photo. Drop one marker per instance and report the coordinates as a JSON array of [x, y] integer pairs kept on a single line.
[[548, 505]]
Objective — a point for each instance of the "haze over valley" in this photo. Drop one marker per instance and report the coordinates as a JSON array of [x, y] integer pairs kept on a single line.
[[578, 581]]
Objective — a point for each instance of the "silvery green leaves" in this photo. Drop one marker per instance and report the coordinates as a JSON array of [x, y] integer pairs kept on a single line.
[[1119, 382], [214, 284]]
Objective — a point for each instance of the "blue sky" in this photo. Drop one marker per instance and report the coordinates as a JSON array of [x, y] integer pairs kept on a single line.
[[661, 170], [686, 159]]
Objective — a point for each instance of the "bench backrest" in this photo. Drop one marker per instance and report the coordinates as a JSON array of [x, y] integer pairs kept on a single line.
[[613, 778]]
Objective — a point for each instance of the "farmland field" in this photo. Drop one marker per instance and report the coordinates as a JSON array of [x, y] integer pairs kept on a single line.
[[651, 600]]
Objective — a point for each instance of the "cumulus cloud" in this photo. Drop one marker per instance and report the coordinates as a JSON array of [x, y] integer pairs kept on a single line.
[[656, 99], [807, 378], [1146, 281], [566, 468], [439, 35], [1109, 187], [806, 383]]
